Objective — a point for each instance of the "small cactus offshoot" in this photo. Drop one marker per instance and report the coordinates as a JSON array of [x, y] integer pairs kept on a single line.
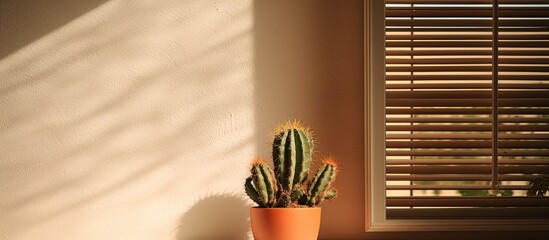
[[320, 187], [261, 186], [289, 186]]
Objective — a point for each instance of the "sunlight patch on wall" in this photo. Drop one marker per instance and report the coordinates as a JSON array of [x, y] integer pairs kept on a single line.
[[118, 122]]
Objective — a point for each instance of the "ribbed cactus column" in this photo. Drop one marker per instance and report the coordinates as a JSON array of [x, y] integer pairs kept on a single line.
[[292, 155], [320, 187], [261, 187]]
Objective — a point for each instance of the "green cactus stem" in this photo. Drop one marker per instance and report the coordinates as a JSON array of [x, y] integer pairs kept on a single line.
[[251, 192], [330, 194], [319, 188], [264, 188], [292, 155], [297, 194]]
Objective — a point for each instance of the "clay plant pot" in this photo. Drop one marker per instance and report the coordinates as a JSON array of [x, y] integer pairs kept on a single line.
[[285, 223]]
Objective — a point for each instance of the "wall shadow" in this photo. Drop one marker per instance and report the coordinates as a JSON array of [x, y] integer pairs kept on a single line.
[[215, 217], [26, 20]]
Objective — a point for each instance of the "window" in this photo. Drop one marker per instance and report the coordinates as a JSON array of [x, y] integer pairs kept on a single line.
[[453, 70]]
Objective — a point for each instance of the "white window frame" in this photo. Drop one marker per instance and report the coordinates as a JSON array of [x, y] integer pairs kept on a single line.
[[374, 97]]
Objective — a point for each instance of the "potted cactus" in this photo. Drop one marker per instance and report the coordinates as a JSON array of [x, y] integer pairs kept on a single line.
[[287, 199]]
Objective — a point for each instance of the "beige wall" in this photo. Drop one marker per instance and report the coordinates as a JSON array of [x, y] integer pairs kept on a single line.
[[137, 119]]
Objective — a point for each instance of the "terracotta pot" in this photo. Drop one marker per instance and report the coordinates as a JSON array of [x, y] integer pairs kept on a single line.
[[285, 223]]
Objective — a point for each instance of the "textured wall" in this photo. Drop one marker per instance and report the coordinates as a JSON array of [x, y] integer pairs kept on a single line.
[[137, 119]]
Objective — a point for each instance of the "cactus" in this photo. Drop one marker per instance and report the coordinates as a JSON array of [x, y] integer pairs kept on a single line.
[[292, 154], [292, 158], [320, 187], [261, 186]]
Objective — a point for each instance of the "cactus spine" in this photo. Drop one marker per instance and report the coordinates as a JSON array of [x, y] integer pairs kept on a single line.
[[261, 187]]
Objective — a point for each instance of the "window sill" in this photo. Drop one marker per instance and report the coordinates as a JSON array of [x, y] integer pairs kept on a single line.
[[458, 225]]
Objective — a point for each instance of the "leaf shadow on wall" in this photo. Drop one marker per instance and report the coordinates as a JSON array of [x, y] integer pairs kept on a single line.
[[222, 216]]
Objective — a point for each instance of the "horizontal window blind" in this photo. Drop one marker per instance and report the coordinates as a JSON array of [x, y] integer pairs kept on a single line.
[[467, 107]]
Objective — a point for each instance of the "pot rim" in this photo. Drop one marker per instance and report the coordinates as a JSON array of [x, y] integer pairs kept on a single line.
[[278, 209]]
